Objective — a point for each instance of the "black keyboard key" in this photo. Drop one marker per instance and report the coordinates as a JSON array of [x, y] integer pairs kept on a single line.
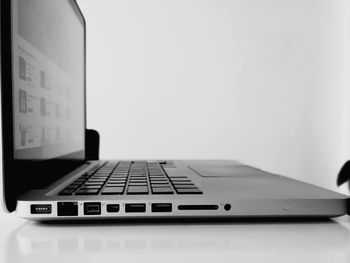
[[137, 190], [137, 184], [183, 183], [177, 176], [115, 185], [113, 190], [96, 184], [185, 186], [91, 186], [74, 187], [96, 180], [180, 180], [160, 185], [67, 192], [159, 182], [162, 191], [189, 191], [116, 182], [85, 191]]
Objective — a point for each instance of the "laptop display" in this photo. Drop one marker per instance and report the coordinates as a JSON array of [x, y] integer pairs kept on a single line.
[[48, 80]]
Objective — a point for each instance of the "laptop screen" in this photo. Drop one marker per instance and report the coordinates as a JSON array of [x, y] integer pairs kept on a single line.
[[48, 67]]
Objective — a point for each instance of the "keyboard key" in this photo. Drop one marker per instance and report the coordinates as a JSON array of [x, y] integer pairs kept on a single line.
[[115, 184], [159, 182], [66, 192], [160, 185], [137, 184], [94, 183], [91, 187], [177, 176], [137, 190], [183, 186], [138, 179], [156, 174], [74, 185], [117, 181], [112, 190], [96, 180], [179, 180], [183, 183], [189, 191], [85, 191], [162, 191]]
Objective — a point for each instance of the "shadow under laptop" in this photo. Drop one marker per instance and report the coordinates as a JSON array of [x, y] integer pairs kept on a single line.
[[186, 240]]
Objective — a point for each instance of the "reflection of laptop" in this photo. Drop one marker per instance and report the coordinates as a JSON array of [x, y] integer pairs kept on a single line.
[[44, 243], [45, 170]]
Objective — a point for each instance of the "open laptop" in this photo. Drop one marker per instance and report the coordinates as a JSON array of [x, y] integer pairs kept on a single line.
[[46, 174]]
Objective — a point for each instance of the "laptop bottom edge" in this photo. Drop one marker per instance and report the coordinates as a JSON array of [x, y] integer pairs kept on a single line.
[[169, 208]]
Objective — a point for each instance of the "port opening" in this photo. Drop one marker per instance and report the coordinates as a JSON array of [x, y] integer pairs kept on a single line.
[[92, 208], [135, 208], [67, 208], [198, 207], [41, 209], [161, 207], [112, 208], [227, 207]]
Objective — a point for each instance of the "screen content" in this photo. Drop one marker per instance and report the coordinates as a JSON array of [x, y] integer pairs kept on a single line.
[[48, 80]]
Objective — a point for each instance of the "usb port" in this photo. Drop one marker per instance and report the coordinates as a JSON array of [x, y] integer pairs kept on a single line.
[[161, 207], [135, 208], [40, 209], [113, 208], [92, 208]]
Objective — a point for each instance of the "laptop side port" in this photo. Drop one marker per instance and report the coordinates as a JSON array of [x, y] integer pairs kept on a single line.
[[67, 208], [41, 209], [112, 208], [161, 207], [135, 208], [92, 208], [198, 207]]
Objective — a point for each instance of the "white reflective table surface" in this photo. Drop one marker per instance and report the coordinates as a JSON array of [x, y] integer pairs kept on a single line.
[[322, 241]]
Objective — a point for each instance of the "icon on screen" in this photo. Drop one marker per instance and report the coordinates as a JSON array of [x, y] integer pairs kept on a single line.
[[22, 101], [22, 68], [23, 131]]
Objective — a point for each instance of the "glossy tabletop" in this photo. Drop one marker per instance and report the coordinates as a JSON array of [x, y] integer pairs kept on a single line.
[[186, 241]]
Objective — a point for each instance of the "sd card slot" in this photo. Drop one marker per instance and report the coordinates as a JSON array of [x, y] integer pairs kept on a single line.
[[198, 207]]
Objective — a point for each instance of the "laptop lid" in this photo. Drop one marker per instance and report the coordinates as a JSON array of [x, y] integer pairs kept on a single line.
[[42, 93]]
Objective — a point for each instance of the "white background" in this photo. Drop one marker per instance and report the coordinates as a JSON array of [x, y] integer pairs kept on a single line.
[[264, 82]]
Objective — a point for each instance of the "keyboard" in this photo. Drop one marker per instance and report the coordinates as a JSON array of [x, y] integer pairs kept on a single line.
[[130, 178]]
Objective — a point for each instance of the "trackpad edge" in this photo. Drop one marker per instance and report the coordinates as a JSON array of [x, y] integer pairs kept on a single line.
[[227, 171]]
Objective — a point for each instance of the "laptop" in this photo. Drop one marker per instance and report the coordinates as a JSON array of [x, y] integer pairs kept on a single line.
[[47, 174]]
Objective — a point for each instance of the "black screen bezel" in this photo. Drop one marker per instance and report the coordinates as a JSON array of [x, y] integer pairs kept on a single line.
[[20, 176]]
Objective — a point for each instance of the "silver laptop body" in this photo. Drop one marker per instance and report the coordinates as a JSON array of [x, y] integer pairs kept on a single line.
[[46, 175]]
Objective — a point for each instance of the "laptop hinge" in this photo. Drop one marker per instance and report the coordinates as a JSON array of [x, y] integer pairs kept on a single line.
[[92, 145]]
